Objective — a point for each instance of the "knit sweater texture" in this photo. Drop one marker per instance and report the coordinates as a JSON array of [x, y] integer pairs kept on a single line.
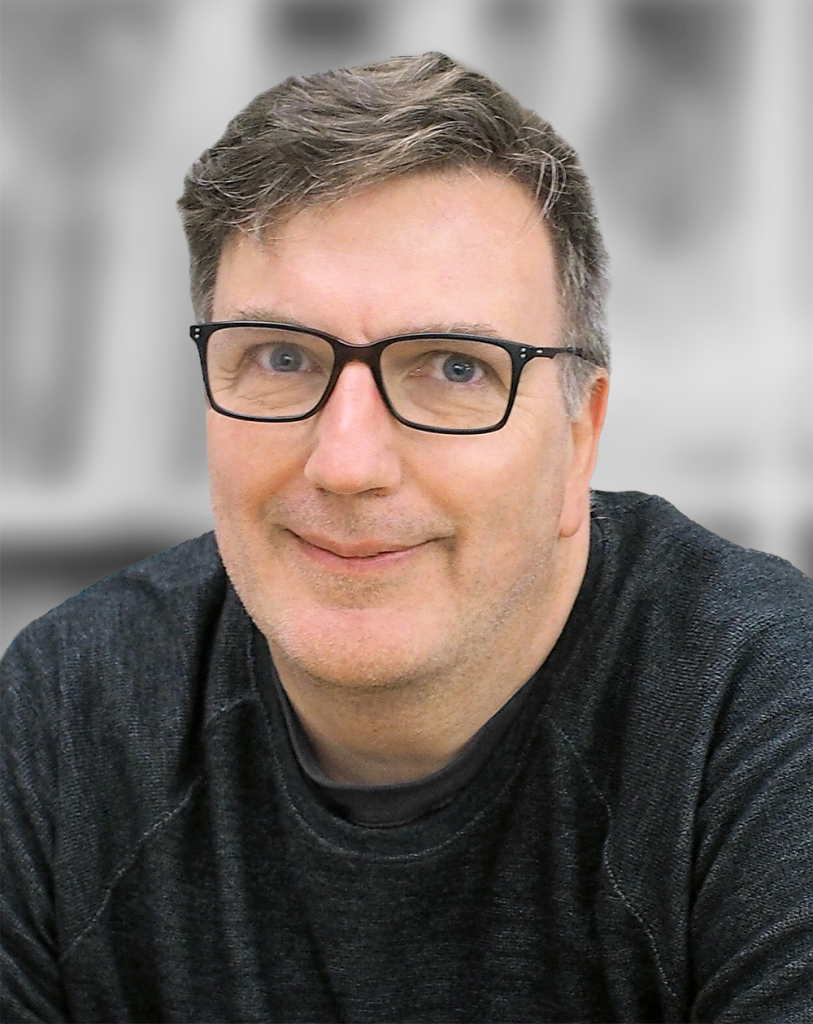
[[637, 846]]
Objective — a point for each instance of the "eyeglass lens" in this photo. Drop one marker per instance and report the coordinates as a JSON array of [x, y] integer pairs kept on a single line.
[[432, 382]]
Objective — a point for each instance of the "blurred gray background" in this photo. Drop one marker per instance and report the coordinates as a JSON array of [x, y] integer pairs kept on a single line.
[[692, 117]]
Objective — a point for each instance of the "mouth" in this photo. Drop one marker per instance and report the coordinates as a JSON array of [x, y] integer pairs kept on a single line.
[[372, 553]]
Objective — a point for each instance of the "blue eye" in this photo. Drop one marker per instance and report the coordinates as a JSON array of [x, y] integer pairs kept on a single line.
[[458, 369], [285, 358]]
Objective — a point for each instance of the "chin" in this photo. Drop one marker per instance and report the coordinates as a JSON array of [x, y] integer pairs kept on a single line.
[[356, 649]]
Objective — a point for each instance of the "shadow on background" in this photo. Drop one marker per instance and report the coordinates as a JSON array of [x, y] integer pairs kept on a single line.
[[691, 119]]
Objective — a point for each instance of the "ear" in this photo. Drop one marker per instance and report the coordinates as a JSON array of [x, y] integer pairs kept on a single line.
[[585, 430]]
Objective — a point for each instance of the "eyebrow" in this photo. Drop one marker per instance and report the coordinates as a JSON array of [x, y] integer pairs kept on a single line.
[[265, 315]]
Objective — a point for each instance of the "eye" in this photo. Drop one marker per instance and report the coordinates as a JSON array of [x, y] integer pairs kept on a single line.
[[282, 357], [452, 365], [460, 369]]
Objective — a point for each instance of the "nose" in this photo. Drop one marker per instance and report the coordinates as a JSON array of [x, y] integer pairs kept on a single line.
[[354, 438]]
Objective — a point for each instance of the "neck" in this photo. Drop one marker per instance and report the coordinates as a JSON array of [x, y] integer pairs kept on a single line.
[[377, 735]]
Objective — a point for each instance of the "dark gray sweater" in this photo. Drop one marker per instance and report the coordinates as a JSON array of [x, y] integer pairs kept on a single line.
[[638, 845]]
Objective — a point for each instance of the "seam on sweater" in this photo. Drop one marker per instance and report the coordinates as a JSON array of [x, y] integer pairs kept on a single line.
[[251, 698], [427, 852], [606, 858], [130, 861], [146, 836]]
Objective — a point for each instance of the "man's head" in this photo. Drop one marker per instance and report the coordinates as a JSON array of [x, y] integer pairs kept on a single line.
[[312, 141], [372, 554]]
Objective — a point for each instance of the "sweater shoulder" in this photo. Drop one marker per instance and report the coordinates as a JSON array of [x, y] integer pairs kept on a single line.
[[109, 705], [175, 589], [663, 557], [136, 647], [687, 637]]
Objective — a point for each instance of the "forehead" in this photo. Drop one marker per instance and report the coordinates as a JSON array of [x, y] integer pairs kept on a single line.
[[429, 249]]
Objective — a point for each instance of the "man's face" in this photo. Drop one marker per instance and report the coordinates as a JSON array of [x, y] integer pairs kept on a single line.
[[367, 552]]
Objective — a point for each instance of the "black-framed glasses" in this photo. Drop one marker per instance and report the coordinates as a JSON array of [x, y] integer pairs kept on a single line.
[[443, 383]]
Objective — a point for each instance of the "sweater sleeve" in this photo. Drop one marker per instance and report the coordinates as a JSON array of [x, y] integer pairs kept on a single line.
[[752, 922], [31, 989]]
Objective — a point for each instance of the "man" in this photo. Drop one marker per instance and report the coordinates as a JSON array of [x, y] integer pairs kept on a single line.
[[424, 732]]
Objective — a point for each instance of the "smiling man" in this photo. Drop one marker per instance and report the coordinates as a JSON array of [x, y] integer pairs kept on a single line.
[[426, 730], [408, 582]]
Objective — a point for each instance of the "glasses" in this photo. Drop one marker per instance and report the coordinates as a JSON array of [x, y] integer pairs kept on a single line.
[[443, 383]]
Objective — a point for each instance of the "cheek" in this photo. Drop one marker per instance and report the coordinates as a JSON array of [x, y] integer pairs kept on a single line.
[[246, 465], [504, 490], [228, 465]]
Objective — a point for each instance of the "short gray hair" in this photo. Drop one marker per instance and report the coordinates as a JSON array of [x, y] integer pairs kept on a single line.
[[318, 139]]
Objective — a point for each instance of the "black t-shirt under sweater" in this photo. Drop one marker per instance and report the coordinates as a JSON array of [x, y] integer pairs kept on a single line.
[[633, 843]]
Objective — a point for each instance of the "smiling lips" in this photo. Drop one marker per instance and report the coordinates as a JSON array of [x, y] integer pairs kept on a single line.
[[369, 551]]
